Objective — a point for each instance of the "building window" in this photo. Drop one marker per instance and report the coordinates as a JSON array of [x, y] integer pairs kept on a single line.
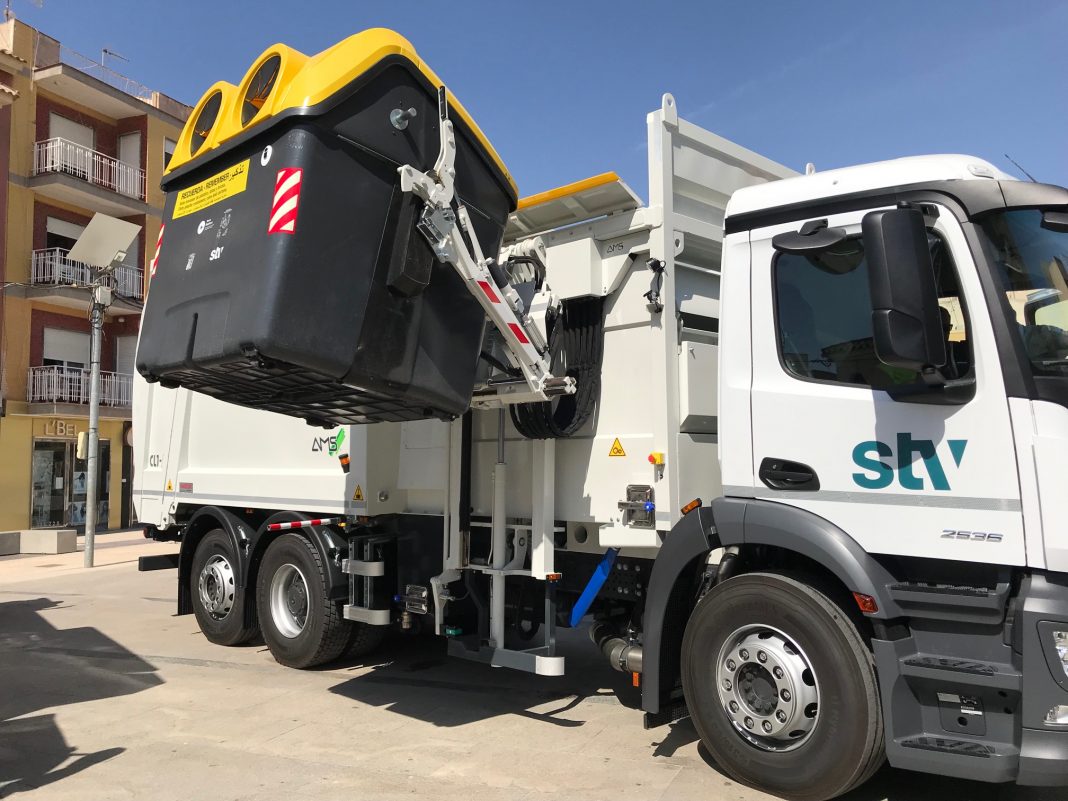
[[64, 348], [168, 151], [823, 317]]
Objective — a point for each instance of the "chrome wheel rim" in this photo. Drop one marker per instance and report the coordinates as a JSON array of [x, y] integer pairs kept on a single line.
[[216, 586], [767, 688], [289, 600]]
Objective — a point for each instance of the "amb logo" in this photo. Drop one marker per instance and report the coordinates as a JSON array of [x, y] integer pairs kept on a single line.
[[329, 444], [874, 458]]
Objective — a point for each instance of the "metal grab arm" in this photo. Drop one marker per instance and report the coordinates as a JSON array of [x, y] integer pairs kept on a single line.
[[444, 229]]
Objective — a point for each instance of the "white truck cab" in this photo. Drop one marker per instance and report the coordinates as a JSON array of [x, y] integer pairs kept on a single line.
[[844, 437]]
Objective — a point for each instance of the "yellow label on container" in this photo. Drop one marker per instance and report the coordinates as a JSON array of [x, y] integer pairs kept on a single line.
[[220, 186]]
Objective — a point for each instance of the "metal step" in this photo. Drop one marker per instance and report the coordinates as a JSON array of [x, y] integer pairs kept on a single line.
[[533, 660], [960, 758], [361, 567], [953, 603], [962, 672], [361, 614], [947, 746]]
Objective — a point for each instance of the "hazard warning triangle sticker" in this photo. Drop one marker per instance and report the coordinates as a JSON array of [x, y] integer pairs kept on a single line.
[[617, 448], [358, 494], [170, 487]]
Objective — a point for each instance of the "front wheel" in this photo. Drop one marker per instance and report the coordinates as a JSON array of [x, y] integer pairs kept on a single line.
[[301, 624], [782, 689]]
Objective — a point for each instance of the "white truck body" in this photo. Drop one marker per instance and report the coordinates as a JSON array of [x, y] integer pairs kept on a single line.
[[659, 377]]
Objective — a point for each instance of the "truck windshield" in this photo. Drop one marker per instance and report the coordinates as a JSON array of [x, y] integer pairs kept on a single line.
[[1031, 262]]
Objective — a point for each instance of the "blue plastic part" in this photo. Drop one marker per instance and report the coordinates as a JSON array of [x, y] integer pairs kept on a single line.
[[593, 586], [650, 506]]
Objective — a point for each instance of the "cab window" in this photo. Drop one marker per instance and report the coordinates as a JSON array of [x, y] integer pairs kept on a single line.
[[823, 318]]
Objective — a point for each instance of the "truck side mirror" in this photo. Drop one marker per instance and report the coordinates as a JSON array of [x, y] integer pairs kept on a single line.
[[906, 321]]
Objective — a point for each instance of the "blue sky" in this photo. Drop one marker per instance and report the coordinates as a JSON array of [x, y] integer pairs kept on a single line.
[[562, 88]]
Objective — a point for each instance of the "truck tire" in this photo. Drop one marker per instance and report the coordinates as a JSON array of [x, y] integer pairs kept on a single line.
[[364, 639], [301, 625], [782, 688], [218, 598]]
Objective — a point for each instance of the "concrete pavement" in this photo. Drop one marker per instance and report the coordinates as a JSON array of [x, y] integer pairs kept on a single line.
[[106, 694]]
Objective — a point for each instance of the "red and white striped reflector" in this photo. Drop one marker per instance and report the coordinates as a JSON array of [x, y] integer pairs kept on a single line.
[[159, 245], [519, 334], [489, 292], [319, 521], [286, 197]]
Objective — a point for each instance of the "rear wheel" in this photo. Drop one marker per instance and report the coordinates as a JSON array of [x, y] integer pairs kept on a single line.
[[301, 624], [364, 639], [782, 688], [218, 597]]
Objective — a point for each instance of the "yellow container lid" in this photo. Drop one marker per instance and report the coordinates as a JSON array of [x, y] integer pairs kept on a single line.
[[288, 79]]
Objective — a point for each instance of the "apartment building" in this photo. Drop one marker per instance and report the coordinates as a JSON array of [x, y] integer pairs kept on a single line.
[[76, 138]]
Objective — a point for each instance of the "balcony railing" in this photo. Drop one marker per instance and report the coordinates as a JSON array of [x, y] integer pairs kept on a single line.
[[54, 267], [55, 384], [69, 158]]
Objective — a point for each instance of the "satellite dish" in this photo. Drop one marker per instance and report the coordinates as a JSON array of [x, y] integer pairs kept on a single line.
[[104, 241]]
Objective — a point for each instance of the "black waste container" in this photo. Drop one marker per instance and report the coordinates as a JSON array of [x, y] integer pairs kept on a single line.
[[290, 275]]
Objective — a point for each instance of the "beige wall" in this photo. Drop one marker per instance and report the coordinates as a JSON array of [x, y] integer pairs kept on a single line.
[[17, 435], [16, 443]]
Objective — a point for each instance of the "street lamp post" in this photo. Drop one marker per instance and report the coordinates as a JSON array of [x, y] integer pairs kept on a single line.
[[101, 300], [103, 243]]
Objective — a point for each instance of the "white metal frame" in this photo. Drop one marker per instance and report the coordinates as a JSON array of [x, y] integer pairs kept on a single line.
[[444, 230]]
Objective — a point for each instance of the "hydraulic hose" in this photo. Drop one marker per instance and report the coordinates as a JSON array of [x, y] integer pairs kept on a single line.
[[576, 346]]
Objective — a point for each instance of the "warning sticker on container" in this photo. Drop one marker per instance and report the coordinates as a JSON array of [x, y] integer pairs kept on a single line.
[[358, 494], [617, 448], [211, 190]]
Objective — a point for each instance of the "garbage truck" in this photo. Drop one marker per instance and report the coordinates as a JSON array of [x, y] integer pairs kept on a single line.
[[790, 446]]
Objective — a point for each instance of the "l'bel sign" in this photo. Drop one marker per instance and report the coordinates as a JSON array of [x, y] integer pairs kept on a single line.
[[61, 428]]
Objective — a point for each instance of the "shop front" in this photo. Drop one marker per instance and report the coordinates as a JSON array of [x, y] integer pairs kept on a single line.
[[59, 478]]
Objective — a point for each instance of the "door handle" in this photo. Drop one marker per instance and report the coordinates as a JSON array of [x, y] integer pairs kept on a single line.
[[783, 474]]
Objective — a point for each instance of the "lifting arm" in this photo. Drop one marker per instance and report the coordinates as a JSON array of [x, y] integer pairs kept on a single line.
[[444, 228]]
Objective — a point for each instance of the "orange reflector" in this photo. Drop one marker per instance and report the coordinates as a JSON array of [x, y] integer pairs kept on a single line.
[[866, 603], [553, 576], [691, 506], [636, 679]]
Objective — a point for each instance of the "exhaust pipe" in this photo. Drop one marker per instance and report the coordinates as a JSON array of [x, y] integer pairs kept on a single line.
[[622, 655]]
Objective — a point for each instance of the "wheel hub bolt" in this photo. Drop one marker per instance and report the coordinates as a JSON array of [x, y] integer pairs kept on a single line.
[[728, 685], [780, 716], [761, 656], [731, 666], [734, 707], [744, 654], [785, 695], [766, 726], [778, 672], [749, 723]]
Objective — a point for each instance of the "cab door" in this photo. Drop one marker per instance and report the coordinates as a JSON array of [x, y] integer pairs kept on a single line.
[[864, 445]]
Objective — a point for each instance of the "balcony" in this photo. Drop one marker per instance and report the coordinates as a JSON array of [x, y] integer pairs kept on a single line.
[[53, 274], [70, 75], [73, 173], [55, 386]]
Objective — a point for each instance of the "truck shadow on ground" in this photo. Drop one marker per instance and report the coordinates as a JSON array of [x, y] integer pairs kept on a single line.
[[42, 667], [415, 677]]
